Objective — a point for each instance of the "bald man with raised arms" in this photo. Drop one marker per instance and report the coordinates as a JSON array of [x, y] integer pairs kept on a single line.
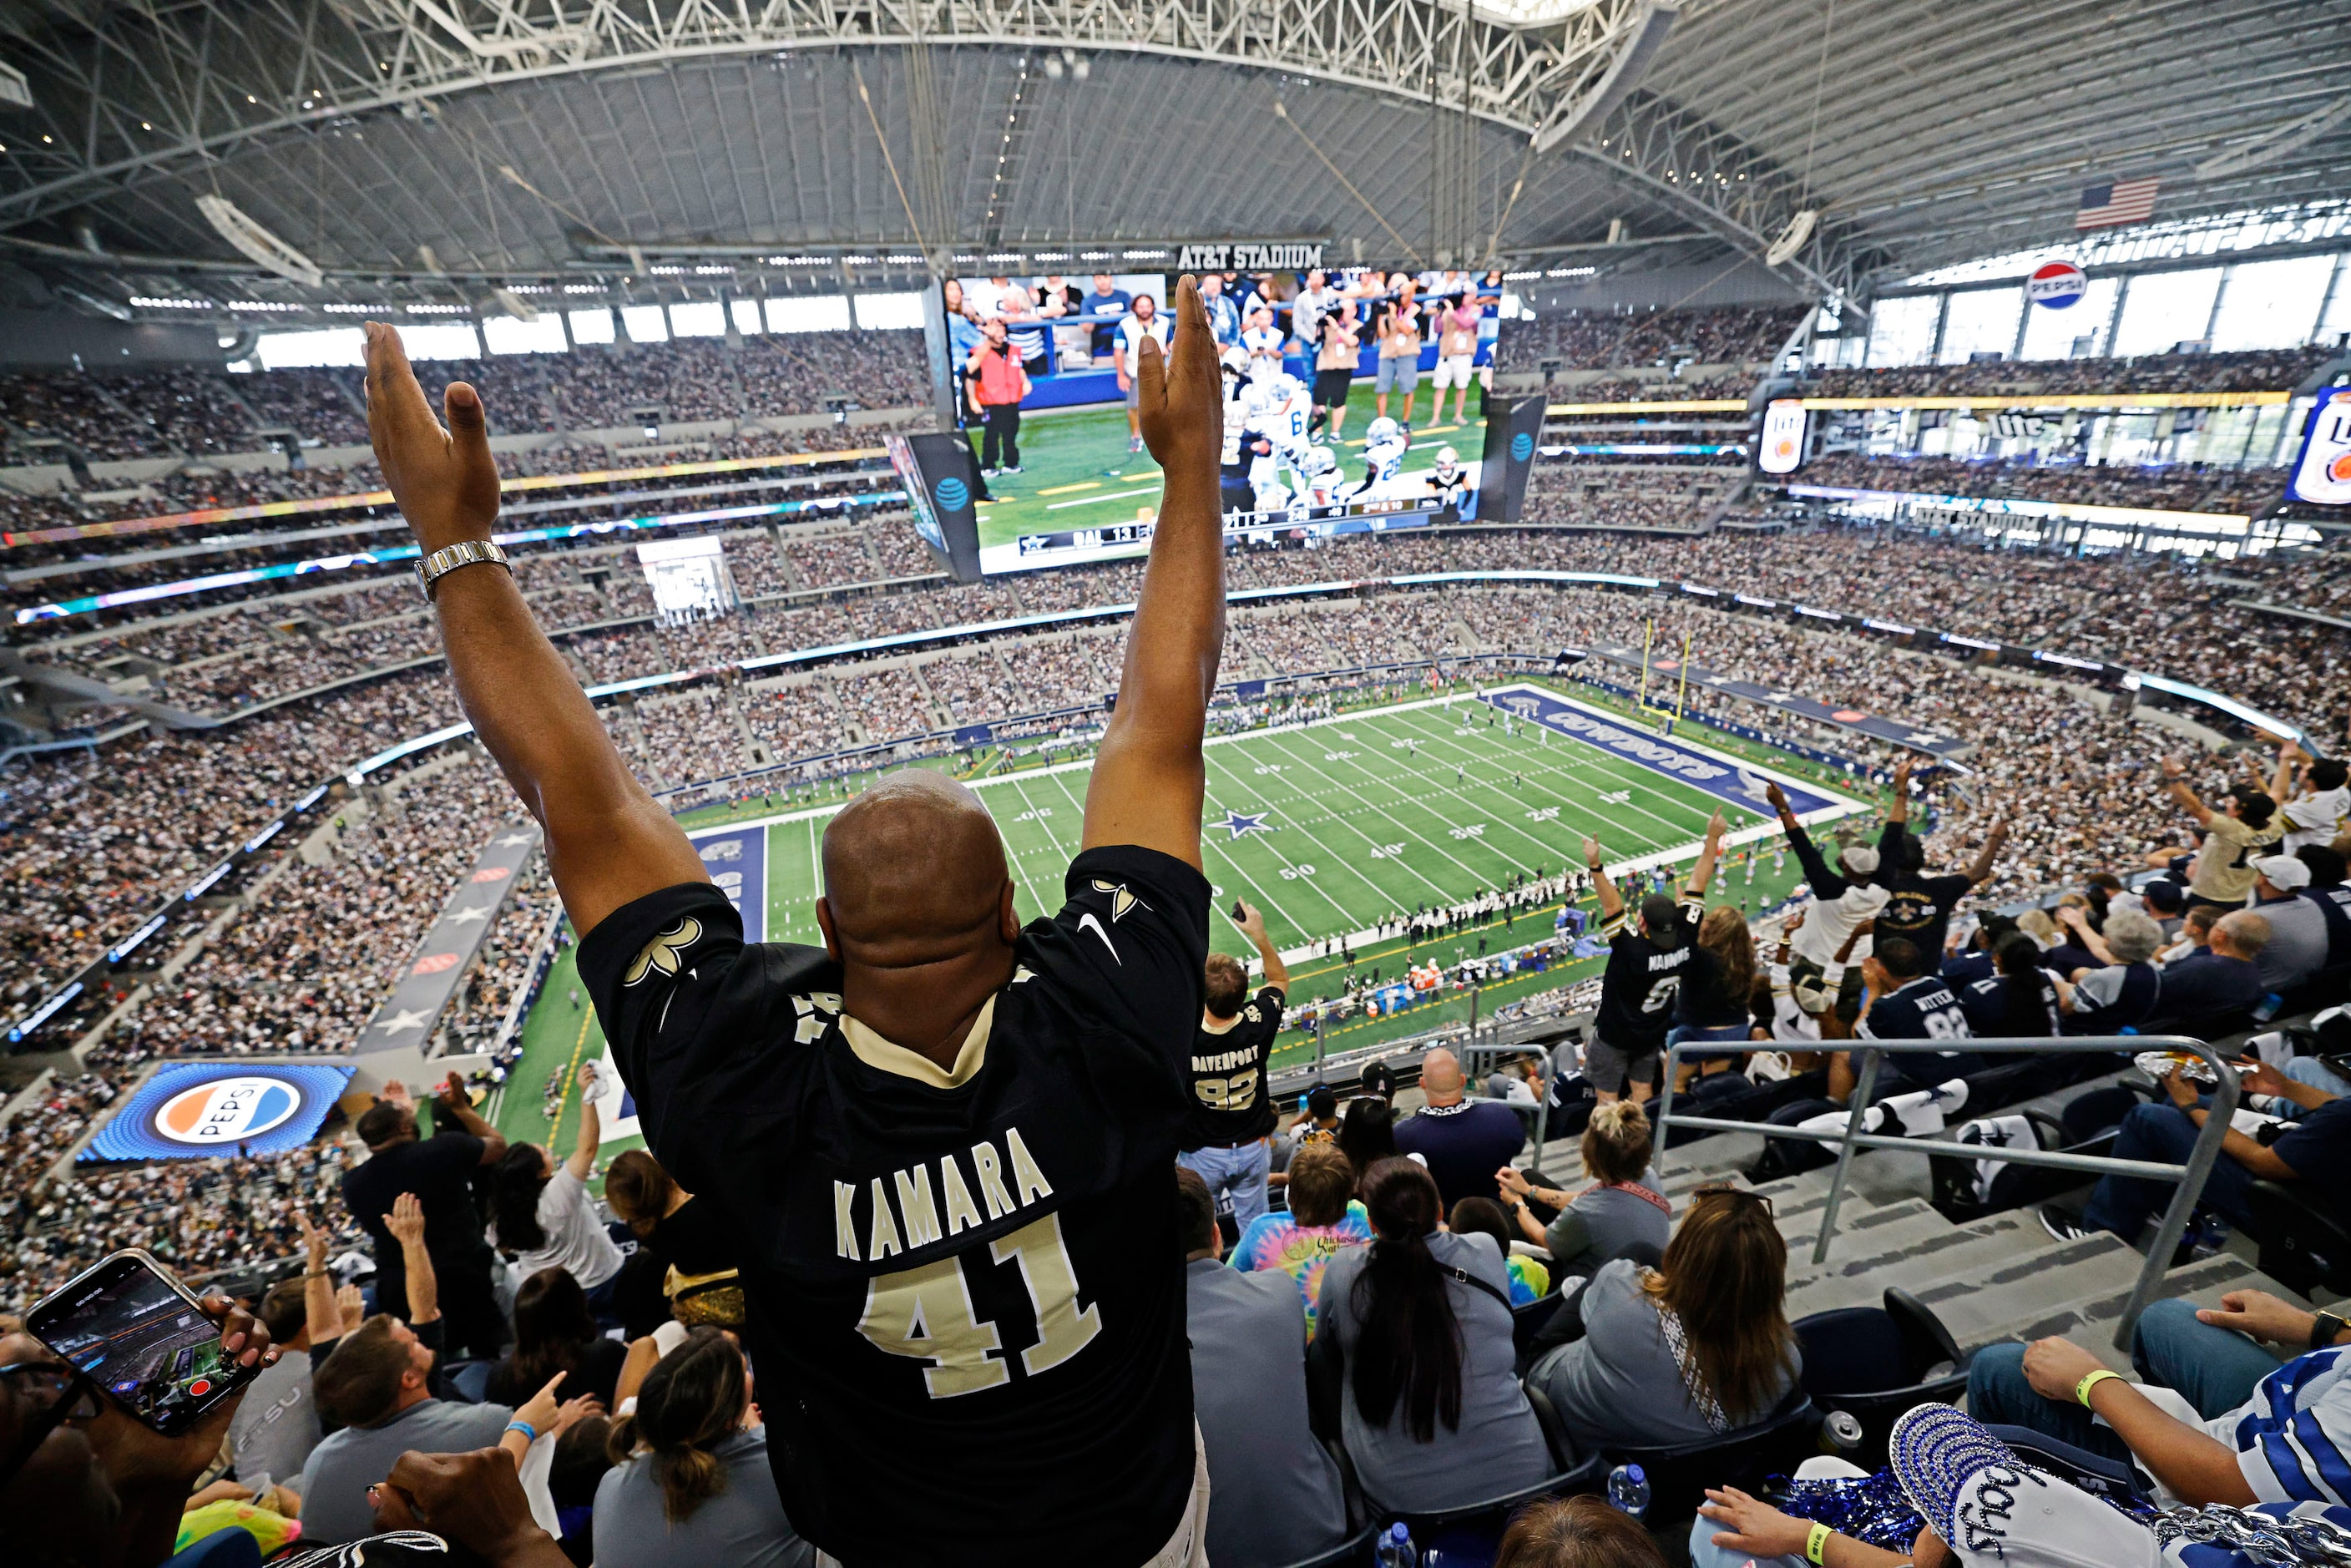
[[945, 1141]]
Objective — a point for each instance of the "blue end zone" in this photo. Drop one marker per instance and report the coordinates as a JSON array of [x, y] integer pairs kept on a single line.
[[736, 859], [1727, 782]]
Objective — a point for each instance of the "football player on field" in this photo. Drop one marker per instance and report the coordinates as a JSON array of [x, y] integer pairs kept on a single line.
[[944, 1141]]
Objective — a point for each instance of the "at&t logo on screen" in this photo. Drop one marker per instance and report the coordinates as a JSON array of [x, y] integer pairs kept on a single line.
[[226, 1110], [1523, 447], [952, 494]]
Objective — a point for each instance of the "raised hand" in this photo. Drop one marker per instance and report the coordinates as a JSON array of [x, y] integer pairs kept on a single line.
[[539, 1411], [406, 1220], [1775, 796], [1717, 825], [1180, 404], [474, 1500], [443, 479]]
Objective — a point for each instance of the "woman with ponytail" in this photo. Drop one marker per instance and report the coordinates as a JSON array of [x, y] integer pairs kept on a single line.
[[690, 1482], [1420, 1320]]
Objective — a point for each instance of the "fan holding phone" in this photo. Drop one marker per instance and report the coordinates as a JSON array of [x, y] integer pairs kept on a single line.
[[112, 1402]]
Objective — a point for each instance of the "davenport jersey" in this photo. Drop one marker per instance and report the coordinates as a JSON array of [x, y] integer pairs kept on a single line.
[[965, 1293], [1638, 987], [1230, 1103]]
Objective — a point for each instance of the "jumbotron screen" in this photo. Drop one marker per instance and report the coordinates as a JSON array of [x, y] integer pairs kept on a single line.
[[1067, 480], [207, 1109]]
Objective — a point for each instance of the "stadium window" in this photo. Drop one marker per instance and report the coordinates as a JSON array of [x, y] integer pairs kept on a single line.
[[303, 350], [878, 311], [592, 326], [646, 323], [2270, 304], [1980, 322], [2337, 319], [700, 318], [746, 313], [2163, 310], [441, 340], [505, 335], [2050, 334], [1902, 331], [809, 313]]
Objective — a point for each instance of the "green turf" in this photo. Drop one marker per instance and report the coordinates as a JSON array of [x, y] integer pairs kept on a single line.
[[1076, 472], [1364, 826]]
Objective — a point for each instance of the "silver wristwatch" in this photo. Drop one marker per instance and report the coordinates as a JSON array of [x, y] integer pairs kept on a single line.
[[432, 568]]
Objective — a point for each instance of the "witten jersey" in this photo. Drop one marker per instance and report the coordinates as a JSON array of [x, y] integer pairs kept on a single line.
[[1382, 460], [974, 1263]]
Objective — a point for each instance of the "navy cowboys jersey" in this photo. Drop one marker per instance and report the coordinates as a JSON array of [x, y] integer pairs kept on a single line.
[[1230, 1103], [965, 1290]]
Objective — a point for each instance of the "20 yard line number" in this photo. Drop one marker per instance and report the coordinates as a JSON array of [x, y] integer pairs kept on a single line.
[[926, 1314]]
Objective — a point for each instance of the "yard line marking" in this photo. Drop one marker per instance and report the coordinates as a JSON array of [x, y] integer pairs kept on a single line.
[[1071, 489], [1651, 785], [1391, 898], [1409, 832], [1094, 500], [1281, 855], [1021, 872]]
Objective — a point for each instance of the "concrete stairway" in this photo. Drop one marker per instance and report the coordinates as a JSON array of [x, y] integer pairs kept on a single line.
[[1999, 1278]]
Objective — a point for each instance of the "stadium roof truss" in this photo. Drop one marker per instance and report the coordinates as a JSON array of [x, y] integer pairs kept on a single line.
[[532, 136], [167, 94]]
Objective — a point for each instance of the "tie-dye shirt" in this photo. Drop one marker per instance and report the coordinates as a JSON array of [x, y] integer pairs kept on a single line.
[[1279, 1241]]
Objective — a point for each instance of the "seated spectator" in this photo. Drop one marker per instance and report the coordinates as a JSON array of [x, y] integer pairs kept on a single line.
[[1974, 962], [553, 1332], [1907, 1001], [690, 1481], [278, 1424], [1483, 1217], [686, 1236], [1620, 1212], [2213, 992], [2122, 993], [1324, 1217], [1696, 1348], [374, 1384], [2315, 1149], [1277, 1494], [2295, 953], [542, 1217], [2193, 935], [2018, 1002], [2214, 1419], [1576, 1533], [579, 1467], [1461, 1140], [2327, 891], [1367, 1135], [1431, 1413], [2074, 947]]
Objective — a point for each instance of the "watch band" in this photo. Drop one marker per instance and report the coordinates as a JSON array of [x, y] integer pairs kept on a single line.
[[432, 568], [2324, 1327]]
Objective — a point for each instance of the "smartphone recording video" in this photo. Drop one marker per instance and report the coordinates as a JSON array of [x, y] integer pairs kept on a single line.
[[141, 1336]]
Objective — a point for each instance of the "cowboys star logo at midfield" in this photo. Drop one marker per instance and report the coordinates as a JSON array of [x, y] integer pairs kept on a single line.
[[664, 953], [1241, 825]]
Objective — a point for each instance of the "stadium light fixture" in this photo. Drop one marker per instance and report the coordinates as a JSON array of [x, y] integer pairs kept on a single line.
[[262, 305], [14, 87], [147, 302], [256, 243]]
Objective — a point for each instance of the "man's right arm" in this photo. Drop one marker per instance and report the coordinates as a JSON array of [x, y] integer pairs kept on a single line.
[[607, 841], [1148, 777], [1611, 903]]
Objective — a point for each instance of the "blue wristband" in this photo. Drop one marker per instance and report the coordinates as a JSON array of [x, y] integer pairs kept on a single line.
[[530, 1433]]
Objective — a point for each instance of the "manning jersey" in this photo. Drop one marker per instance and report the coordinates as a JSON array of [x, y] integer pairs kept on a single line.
[[966, 1306], [1638, 987], [1230, 1103]]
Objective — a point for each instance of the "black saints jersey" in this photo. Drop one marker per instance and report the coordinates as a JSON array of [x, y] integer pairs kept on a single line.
[[1229, 1104], [965, 1285], [1638, 987]]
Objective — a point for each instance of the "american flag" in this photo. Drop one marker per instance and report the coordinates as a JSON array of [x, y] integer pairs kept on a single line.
[[2114, 204]]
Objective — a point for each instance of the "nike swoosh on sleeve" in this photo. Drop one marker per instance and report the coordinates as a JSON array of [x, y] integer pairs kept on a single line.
[[1087, 922]]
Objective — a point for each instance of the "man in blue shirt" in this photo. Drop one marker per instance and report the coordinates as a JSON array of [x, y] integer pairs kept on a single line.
[[1106, 307], [2314, 1151], [1224, 314], [1463, 1142], [1908, 1001], [2213, 992]]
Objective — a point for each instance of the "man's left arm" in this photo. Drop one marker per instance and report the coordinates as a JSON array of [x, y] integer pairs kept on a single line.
[[2194, 1465], [2262, 1162], [1149, 777]]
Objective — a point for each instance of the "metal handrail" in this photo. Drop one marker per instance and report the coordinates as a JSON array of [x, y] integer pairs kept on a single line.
[[2191, 1176]]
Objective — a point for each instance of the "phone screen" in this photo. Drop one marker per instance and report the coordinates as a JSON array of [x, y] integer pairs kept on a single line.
[[136, 1335]]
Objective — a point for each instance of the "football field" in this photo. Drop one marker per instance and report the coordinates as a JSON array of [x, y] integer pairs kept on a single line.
[[1332, 826], [1076, 472]]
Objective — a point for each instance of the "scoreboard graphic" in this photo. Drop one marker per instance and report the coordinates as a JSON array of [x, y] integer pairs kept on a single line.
[[204, 1109]]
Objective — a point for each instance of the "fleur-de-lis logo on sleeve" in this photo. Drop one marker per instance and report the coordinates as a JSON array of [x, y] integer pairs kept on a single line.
[[664, 953]]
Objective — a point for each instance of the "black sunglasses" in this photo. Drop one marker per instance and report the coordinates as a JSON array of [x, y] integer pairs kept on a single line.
[[60, 1392], [1737, 1192]]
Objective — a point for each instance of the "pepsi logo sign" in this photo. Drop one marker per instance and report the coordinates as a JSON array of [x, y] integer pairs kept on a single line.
[[227, 1109], [953, 494], [1523, 447], [2057, 284]]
